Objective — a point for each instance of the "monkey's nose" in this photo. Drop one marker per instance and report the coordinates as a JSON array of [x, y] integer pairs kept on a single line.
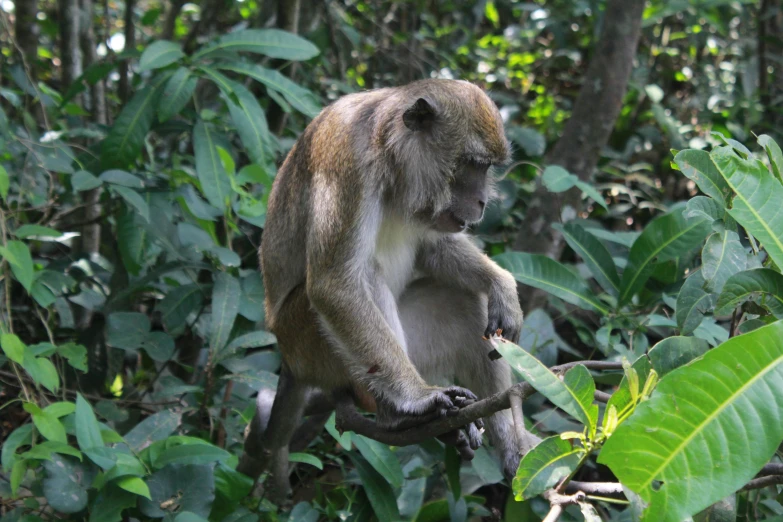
[[482, 204]]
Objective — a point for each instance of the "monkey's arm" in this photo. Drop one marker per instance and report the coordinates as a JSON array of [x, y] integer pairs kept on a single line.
[[356, 306], [455, 260]]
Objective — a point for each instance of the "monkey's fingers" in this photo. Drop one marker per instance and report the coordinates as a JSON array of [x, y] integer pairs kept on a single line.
[[459, 396], [460, 442], [474, 435]]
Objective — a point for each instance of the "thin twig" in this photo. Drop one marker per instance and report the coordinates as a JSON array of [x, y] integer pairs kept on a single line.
[[763, 482]]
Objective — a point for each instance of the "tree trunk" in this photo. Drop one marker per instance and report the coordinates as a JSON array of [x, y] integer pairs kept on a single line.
[[71, 55], [586, 132], [287, 20], [130, 43], [770, 49], [26, 32], [170, 23], [91, 234]]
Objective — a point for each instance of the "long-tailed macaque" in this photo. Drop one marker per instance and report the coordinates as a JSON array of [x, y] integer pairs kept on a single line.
[[372, 286]]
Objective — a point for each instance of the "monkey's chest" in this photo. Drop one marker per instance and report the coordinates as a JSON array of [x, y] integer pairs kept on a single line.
[[395, 257]]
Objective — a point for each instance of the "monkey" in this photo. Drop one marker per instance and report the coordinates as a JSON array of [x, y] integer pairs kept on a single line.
[[372, 285]]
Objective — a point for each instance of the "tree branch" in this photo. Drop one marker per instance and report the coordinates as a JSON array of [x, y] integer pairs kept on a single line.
[[349, 419]]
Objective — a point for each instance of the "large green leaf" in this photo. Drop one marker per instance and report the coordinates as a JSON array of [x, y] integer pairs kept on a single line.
[[18, 256], [757, 201], [673, 352], [381, 458], [13, 347], [225, 305], [178, 304], [722, 256], [775, 155], [160, 54], [688, 447], [666, 237], [594, 254], [741, 287], [542, 467], [270, 42], [300, 98], [378, 490], [250, 121], [126, 137], [66, 483], [215, 184], [698, 167], [176, 94], [693, 302], [544, 273], [573, 394]]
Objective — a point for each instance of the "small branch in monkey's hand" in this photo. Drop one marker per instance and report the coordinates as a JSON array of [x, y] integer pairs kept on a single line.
[[349, 419]]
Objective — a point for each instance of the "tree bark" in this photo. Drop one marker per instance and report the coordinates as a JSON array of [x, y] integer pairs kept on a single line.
[[71, 55], [26, 32], [170, 23], [587, 131], [288, 20], [96, 103], [130, 43]]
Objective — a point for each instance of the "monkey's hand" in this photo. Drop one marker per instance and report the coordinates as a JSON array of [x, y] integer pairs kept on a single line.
[[503, 310], [432, 403]]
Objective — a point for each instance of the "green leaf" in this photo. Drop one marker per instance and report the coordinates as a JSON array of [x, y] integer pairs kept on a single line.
[[306, 458], [109, 504], [18, 256], [722, 256], [215, 184], [541, 272], [135, 200], [13, 347], [75, 354], [132, 237], [756, 204], [250, 340], [270, 42], [572, 401], [699, 168], [775, 155], [191, 488], [693, 302], [176, 94], [60, 409], [622, 398], [381, 458], [300, 98], [673, 352], [135, 485], [88, 431], [704, 207], [160, 54], [45, 450], [191, 454], [121, 177], [378, 490], [594, 254], [154, 428], [159, 346], [83, 180], [745, 285], [178, 304], [250, 121], [557, 179], [26, 231], [66, 483], [127, 330], [664, 238], [47, 424], [4, 183], [591, 192], [225, 304], [733, 390], [126, 137], [548, 462], [21, 436], [42, 371]]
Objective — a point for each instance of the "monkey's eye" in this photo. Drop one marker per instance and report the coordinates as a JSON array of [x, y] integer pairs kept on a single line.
[[480, 163]]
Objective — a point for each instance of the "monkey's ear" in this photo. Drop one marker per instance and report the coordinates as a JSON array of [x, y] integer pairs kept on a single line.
[[419, 116]]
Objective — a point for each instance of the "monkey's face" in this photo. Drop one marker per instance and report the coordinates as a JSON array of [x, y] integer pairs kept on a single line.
[[469, 195]]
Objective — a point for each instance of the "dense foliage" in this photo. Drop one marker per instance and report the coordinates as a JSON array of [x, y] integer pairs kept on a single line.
[[134, 182]]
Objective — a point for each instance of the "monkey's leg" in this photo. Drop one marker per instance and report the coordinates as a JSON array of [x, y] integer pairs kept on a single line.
[[444, 328], [266, 446]]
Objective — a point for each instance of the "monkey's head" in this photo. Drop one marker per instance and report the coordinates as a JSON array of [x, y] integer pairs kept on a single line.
[[449, 136]]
